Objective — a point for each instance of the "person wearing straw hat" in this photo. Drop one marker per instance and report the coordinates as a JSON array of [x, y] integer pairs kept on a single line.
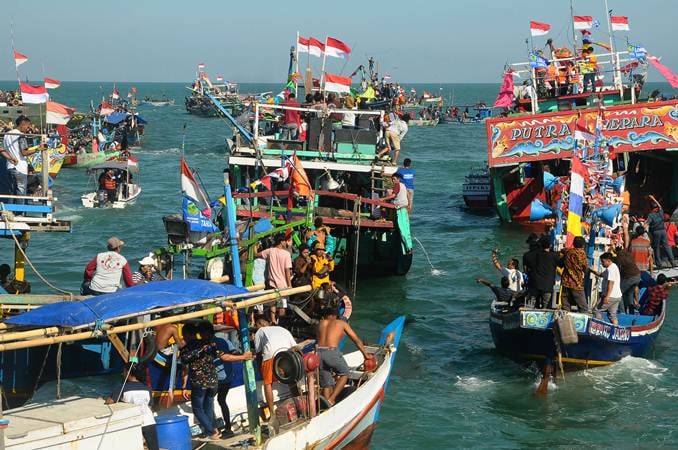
[[147, 271], [103, 272]]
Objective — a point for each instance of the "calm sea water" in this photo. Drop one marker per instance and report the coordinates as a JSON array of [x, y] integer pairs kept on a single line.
[[449, 387]]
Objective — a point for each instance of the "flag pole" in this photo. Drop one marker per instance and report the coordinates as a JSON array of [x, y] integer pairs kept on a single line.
[[574, 31], [16, 67], [296, 63], [322, 72], [615, 58]]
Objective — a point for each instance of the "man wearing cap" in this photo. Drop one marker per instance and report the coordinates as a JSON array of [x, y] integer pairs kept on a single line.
[[146, 272], [103, 272]]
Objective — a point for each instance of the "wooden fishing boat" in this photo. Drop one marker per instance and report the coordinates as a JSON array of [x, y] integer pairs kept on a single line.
[[128, 185], [477, 189], [56, 160], [157, 102]]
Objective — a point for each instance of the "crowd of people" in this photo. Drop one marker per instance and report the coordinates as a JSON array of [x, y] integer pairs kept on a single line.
[[621, 277], [206, 352]]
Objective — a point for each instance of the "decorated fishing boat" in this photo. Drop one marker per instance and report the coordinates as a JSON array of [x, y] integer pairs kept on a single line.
[[477, 189], [116, 183], [590, 209], [530, 144], [226, 93]]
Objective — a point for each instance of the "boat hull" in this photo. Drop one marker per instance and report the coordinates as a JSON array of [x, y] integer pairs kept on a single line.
[[528, 335]]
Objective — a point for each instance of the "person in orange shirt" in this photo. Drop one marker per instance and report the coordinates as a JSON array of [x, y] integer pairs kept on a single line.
[[591, 65]]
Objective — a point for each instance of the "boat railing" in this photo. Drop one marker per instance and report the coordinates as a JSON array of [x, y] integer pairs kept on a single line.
[[607, 63], [20, 213]]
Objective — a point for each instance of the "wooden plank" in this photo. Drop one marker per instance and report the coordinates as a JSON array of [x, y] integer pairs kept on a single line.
[[119, 346]]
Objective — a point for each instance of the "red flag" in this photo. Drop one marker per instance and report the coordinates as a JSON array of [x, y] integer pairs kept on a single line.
[[115, 94], [58, 114], [583, 22], [539, 28], [619, 23], [51, 83], [336, 48], [336, 83], [19, 59], [33, 94]]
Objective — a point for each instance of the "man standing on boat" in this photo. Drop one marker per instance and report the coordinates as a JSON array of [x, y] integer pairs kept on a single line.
[[278, 272], [291, 118], [406, 174], [660, 242], [103, 272], [331, 331], [15, 152], [611, 294], [511, 271], [544, 273], [575, 265]]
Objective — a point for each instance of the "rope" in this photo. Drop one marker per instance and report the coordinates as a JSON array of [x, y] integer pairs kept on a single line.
[[5, 217], [58, 372], [42, 368]]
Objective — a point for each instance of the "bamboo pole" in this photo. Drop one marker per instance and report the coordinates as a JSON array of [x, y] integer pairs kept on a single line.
[[162, 321], [40, 332]]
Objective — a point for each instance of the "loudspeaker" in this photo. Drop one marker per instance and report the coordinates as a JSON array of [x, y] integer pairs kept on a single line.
[[540, 210], [349, 136], [550, 181], [619, 184], [608, 215]]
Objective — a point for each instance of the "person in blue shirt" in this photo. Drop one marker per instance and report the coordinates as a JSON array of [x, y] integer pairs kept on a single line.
[[406, 174]]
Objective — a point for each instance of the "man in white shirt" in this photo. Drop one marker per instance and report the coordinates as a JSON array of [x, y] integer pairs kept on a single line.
[[511, 272], [15, 152], [397, 194], [395, 133], [268, 341], [611, 294]]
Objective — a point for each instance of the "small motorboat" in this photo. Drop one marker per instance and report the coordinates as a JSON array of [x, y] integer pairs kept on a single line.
[[162, 101], [116, 184], [477, 189]]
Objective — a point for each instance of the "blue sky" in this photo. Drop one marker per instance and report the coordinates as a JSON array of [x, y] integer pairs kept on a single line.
[[248, 41]]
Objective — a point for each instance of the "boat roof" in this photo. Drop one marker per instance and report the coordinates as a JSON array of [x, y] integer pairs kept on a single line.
[[120, 165], [127, 301]]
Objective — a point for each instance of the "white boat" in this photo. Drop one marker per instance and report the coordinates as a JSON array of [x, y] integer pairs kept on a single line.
[[127, 189]]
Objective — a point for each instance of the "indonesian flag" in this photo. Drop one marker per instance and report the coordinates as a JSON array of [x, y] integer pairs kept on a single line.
[[115, 94], [583, 22], [132, 161], [58, 114], [279, 175], [302, 44], [33, 94], [220, 78], [582, 133], [619, 23], [19, 59], [539, 28], [51, 83], [106, 109], [190, 186], [337, 83], [201, 66], [336, 48], [314, 46]]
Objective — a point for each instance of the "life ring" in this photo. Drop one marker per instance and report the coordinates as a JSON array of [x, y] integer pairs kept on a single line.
[[148, 349]]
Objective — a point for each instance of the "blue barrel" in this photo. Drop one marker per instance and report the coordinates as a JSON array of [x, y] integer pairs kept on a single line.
[[173, 432]]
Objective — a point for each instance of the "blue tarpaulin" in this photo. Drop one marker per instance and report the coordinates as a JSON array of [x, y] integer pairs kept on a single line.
[[117, 117], [127, 301]]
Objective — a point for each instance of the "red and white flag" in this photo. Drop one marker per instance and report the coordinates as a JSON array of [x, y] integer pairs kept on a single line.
[[190, 186], [201, 66], [278, 175], [33, 94], [106, 109], [583, 22], [336, 48], [19, 59], [302, 44], [115, 94], [220, 79], [539, 28], [58, 114], [619, 23], [581, 133], [337, 83], [51, 83], [310, 45]]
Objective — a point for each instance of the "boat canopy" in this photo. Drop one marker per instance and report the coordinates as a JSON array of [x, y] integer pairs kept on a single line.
[[136, 299], [117, 117], [120, 165]]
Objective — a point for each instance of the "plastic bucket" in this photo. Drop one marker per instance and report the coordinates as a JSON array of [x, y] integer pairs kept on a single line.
[[173, 432]]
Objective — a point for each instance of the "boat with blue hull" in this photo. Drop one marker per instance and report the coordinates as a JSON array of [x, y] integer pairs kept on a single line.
[[528, 335]]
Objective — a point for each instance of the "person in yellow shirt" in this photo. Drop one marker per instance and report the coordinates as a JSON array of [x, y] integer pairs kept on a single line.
[[322, 264], [591, 69]]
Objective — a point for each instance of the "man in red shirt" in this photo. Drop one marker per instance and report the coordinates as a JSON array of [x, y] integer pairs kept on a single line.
[[656, 295], [291, 119], [671, 231], [103, 272]]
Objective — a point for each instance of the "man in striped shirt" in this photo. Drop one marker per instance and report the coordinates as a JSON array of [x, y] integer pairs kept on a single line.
[[641, 250]]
